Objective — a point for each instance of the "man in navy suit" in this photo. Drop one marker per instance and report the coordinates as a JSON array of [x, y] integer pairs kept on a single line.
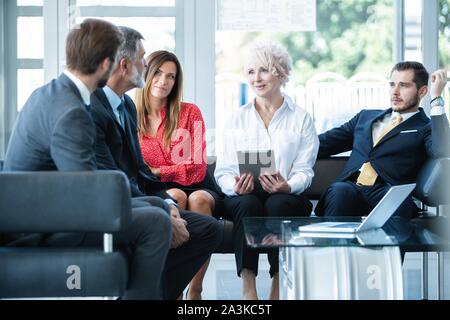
[[194, 236], [388, 147]]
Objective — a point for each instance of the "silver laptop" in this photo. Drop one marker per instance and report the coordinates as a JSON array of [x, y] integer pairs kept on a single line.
[[377, 236], [376, 219]]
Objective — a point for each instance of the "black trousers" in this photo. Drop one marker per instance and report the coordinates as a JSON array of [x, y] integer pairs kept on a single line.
[[261, 205], [182, 263], [349, 199], [205, 236]]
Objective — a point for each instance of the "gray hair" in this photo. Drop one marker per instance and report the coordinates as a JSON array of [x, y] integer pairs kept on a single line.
[[272, 56], [129, 48]]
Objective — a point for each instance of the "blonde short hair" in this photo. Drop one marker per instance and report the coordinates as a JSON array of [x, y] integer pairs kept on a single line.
[[272, 56]]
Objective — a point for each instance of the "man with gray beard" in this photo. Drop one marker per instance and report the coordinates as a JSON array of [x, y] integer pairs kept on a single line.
[[194, 236]]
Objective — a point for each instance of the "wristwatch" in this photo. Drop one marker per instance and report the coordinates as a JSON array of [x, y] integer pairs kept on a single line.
[[437, 102]]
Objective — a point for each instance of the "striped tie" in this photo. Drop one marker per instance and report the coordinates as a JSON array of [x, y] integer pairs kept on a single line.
[[368, 175]]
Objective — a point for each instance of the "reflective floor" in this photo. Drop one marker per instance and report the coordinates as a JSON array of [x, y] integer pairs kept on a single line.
[[222, 283]]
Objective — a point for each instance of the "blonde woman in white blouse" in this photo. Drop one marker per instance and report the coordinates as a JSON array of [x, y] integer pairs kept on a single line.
[[272, 121]]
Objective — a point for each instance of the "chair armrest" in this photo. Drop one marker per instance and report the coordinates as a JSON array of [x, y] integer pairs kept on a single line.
[[41, 202], [433, 182]]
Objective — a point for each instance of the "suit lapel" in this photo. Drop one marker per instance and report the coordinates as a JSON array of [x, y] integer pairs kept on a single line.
[[369, 128], [104, 100], [128, 133], [125, 133], [415, 121]]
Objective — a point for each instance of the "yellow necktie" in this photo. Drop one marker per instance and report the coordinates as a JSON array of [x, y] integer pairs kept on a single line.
[[368, 175]]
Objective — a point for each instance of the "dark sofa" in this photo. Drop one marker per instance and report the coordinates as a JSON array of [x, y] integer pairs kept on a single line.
[[47, 202]]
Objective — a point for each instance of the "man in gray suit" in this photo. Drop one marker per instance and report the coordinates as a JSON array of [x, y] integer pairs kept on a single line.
[[55, 131]]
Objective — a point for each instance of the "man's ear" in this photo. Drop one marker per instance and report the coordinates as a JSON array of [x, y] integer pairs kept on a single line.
[[423, 91], [123, 64], [106, 63]]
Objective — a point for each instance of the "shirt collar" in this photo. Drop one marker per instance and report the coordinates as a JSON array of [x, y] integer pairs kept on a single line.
[[113, 99], [82, 88], [405, 116], [287, 102]]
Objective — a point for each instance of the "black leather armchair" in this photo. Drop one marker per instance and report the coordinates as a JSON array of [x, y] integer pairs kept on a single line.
[[59, 202], [433, 183]]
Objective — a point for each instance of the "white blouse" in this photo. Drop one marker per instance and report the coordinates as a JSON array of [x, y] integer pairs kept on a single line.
[[291, 135]]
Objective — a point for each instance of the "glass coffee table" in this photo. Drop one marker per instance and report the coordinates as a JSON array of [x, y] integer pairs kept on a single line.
[[366, 265]]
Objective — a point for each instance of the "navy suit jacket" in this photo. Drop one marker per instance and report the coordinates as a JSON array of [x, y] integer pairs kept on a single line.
[[119, 149], [398, 157]]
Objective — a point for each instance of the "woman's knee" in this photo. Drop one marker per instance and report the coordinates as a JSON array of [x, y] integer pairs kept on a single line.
[[180, 196], [201, 199]]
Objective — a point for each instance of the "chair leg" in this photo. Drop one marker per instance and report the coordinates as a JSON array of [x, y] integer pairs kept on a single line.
[[424, 275], [107, 243], [440, 268], [440, 275]]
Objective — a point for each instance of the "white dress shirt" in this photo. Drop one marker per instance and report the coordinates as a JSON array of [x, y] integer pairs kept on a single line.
[[437, 111], [379, 126], [291, 135], [82, 88]]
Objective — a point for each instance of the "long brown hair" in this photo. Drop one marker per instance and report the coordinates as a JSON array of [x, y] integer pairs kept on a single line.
[[173, 105]]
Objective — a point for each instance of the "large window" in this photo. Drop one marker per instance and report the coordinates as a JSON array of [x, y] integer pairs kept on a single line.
[[158, 29], [22, 28], [444, 43], [338, 69], [413, 30], [154, 19], [30, 49]]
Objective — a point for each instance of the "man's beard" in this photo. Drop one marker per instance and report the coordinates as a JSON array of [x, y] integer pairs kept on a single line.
[[104, 80], [137, 79], [410, 105]]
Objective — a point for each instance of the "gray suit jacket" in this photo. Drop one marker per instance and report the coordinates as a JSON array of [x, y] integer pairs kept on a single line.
[[54, 131]]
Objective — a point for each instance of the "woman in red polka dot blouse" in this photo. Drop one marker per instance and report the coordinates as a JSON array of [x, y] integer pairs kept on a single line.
[[173, 144]]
